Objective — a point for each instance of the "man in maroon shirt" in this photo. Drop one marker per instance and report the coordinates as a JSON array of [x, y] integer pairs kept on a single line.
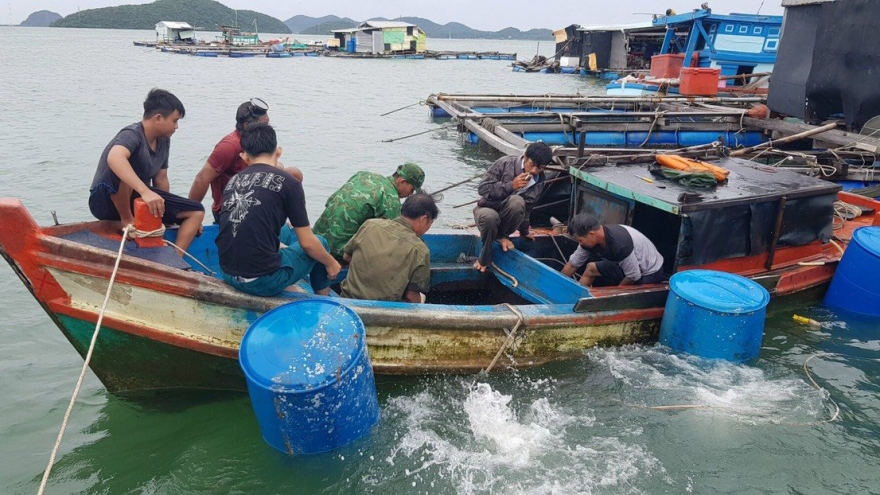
[[225, 161]]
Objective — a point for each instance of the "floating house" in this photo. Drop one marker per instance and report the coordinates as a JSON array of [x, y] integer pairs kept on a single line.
[[235, 36], [613, 47], [174, 32], [828, 63], [381, 38]]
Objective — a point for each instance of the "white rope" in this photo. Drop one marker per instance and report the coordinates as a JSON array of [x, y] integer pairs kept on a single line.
[[140, 234], [85, 366]]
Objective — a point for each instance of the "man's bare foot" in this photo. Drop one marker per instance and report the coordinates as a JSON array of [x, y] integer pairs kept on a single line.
[[479, 267], [506, 244]]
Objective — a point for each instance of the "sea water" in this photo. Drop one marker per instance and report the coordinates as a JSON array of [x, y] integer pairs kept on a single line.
[[637, 419]]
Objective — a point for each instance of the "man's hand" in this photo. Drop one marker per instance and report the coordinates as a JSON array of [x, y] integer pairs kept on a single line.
[[521, 180], [333, 269], [154, 202]]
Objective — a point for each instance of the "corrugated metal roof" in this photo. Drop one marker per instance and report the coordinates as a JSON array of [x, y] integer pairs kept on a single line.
[[385, 24], [174, 25], [795, 3]]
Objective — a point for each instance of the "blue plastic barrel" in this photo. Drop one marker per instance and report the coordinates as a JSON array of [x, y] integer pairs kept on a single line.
[[714, 315], [309, 376], [856, 283]]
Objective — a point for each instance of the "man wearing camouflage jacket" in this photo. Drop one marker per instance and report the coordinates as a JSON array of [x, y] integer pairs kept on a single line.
[[366, 195]]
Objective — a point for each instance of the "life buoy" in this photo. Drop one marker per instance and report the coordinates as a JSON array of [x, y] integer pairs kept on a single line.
[[677, 162]]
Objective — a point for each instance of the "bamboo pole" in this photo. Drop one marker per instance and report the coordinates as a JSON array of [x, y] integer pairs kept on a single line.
[[787, 139]]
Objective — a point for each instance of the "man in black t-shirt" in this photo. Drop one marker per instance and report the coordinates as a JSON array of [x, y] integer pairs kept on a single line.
[[135, 164], [257, 202]]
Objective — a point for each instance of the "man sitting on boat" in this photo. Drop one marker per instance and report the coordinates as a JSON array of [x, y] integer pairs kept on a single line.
[[135, 164], [366, 195], [389, 260], [225, 161], [508, 193], [256, 204], [613, 254]]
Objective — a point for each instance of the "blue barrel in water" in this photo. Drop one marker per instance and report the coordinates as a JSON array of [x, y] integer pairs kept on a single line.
[[714, 315], [856, 283], [309, 376]]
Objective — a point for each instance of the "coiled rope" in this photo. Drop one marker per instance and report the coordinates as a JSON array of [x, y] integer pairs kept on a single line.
[[85, 366]]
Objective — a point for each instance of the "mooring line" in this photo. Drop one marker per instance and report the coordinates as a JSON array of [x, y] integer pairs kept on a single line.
[[88, 358], [510, 337]]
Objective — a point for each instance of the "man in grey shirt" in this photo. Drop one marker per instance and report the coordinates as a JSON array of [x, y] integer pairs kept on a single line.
[[135, 164], [613, 254]]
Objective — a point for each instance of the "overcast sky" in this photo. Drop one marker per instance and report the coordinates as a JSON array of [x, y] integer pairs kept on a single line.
[[488, 15]]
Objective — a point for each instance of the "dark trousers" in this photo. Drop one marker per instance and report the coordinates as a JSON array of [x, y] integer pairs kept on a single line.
[[494, 224]]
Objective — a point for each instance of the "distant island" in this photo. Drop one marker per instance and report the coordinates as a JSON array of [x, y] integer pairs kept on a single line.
[[210, 15], [324, 25], [204, 14], [41, 18]]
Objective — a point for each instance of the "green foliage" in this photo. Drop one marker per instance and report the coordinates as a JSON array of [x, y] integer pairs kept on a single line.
[[203, 14]]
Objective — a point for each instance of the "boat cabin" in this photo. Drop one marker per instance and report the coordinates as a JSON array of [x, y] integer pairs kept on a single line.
[[174, 32], [735, 43], [737, 226], [381, 38]]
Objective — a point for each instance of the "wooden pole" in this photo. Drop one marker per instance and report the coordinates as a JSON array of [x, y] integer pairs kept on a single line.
[[787, 139]]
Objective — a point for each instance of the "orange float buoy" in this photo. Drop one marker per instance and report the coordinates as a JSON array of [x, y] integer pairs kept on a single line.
[[145, 221]]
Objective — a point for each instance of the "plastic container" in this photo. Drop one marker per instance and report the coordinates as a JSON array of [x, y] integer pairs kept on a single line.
[[666, 65], [856, 285], [309, 376], [146, 222], [699, 81], [714, 315]]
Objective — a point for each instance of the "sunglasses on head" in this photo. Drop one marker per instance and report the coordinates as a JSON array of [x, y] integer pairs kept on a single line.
[[258, 108]]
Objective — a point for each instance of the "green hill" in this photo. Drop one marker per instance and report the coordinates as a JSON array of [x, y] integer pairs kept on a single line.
[[300, 23], [432, 29], [42, 18], [204, 14]]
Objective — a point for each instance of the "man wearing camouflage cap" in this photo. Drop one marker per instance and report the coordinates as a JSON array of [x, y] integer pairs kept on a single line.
[[366, 195]]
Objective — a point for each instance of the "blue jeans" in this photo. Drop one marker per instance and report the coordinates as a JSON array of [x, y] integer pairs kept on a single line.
[[295, 265]]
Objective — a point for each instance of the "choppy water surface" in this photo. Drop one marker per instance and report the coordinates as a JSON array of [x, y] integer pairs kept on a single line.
[[626, 420]]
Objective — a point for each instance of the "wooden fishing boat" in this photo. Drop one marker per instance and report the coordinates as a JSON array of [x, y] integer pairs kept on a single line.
[[172, 325]]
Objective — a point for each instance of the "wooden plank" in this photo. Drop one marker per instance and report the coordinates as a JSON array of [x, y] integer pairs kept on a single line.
[[493, 140], [639, 300]]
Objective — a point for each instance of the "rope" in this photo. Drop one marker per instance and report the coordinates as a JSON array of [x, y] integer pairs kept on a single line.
[[657, 116], [510, 337], [833, 417], [810, 376], [183, 251], [513, 281], [85, 366], [134, 233]]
